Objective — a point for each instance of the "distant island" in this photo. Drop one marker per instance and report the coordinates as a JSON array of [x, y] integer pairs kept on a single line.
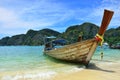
[[88, 30]]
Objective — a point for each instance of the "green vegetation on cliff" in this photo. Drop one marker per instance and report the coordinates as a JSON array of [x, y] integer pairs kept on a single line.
[[112, 36], [30, 38], [87, 30]]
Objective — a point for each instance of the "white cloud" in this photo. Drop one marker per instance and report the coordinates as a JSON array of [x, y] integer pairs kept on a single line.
[[40, 14], [6, 15], [97, 12], [20, 16]]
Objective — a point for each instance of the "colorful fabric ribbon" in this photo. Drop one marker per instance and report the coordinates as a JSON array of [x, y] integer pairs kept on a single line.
[[99, 38]]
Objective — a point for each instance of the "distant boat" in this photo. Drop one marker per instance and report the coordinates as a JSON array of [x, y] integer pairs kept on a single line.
[[80, 51], [115, 46], [106, 44]]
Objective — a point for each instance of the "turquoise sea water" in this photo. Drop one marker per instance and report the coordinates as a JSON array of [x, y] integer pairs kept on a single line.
[[16, 58], [109, 54], [29, 58]]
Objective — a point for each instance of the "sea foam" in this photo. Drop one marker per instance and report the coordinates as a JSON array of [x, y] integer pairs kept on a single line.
[[37, 76], [76, 69]]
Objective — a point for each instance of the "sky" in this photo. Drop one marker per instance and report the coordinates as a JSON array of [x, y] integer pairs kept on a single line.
[[18, 16]]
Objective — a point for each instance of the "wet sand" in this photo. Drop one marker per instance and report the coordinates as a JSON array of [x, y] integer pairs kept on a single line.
[[101, 71], [96, 71]]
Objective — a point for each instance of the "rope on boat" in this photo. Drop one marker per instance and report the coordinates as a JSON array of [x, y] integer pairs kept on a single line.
[[99, 38]]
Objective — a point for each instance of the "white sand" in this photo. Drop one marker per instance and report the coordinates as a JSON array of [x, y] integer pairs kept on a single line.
[[98, 71]]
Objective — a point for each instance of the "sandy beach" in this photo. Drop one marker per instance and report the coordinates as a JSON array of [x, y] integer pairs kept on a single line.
[[99, 71], [95, 71]]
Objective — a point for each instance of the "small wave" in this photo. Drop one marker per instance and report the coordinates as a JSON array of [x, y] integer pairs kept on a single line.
[[38, 76], [76, 69]]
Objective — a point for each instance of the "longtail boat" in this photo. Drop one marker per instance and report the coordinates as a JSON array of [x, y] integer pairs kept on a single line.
[[84, 50]]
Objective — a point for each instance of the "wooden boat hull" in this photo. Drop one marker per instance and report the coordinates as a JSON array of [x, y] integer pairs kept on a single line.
[[76, 52]]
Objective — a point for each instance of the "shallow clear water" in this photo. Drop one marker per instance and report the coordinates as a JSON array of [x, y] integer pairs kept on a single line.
[[16, 58], [108, 54]]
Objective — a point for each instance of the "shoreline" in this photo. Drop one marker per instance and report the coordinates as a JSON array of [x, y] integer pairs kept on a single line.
[[97, 70]]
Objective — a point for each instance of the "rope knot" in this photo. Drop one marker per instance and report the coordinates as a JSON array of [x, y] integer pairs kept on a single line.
[[99, 38]]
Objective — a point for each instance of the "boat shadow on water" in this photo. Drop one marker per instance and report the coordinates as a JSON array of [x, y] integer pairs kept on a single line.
[[92, 66]]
